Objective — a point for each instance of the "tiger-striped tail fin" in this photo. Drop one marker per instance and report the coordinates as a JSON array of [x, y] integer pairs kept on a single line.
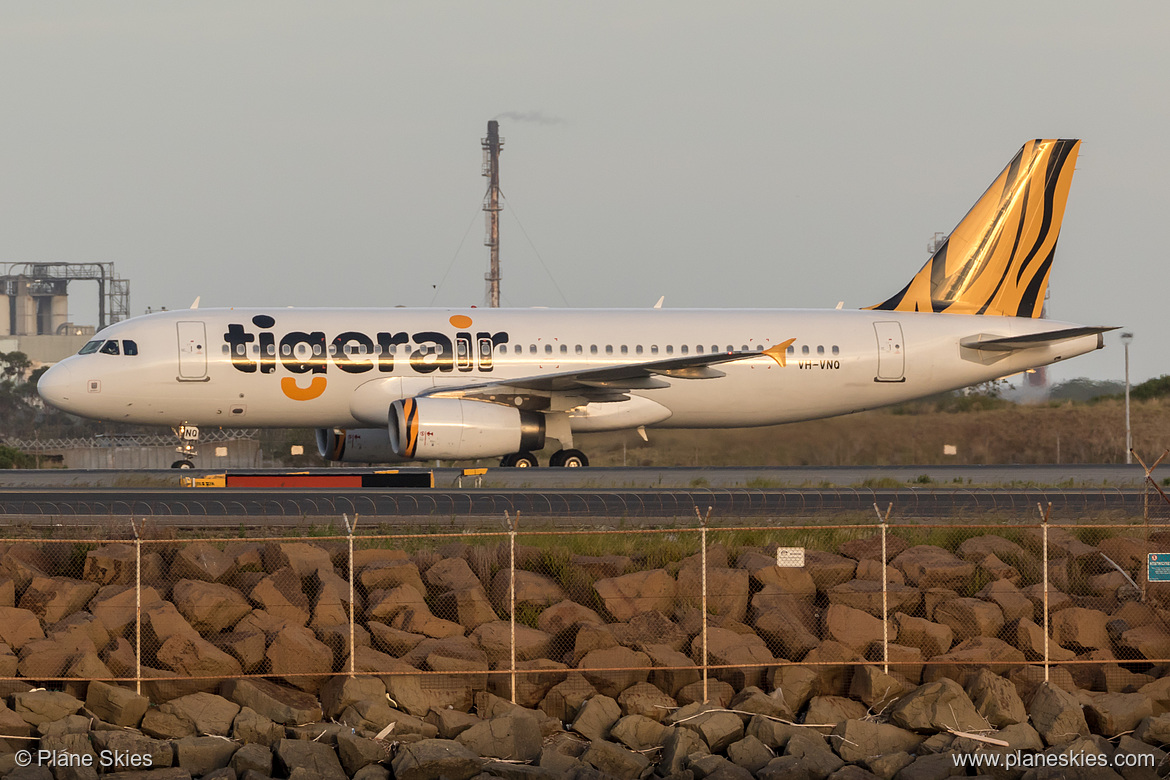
[[997, 259]]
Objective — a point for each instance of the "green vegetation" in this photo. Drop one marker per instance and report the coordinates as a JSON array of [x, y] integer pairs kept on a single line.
[[15, 459], [1082, 390], [1151, 388]]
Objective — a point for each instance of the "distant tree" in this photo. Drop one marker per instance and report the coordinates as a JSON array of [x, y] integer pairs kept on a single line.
[[14, 365], [1082, 389], [1158, 387]]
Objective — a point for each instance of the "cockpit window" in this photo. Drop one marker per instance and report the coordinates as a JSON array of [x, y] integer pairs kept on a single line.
[[90, 347], [110, 348], [129, 347]]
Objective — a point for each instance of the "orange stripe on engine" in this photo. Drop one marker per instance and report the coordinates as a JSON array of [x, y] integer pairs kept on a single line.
[[411, 410]]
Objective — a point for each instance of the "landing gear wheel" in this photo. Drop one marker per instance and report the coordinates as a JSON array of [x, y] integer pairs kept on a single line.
[[520, 460], [568, 459], [182, 464]]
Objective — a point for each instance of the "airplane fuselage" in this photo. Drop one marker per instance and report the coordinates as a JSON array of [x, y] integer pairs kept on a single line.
[[319, 368]]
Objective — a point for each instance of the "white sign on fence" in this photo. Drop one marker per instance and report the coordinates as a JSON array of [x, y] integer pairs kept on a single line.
[[790, 557]]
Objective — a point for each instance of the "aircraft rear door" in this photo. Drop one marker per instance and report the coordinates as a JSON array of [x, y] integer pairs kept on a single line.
[[192, 352], [891, 352]]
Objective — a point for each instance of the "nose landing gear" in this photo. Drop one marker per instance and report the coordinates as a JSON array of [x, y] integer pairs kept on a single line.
[[188, 446]]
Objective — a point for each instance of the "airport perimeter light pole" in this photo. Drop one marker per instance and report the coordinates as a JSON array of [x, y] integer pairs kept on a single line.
[[1127, 337]]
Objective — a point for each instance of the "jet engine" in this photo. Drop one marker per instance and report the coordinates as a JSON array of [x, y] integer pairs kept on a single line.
[[356, 445], [425, 428]]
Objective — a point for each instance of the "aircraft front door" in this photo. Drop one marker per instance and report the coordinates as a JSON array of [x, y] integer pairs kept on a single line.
[[192, 351], [891, 352]]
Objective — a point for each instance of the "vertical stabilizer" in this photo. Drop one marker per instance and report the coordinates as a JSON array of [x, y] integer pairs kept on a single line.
[[996, 261]]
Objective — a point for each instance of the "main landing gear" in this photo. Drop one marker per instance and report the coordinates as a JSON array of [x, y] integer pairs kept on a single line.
[[559, 459], [568, 459], [520, 460]]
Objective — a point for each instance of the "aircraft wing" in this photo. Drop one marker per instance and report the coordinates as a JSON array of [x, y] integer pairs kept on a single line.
[[611, 381]]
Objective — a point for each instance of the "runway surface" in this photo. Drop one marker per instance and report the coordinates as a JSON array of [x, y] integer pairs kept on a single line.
[[1033, 475], [599, 496]]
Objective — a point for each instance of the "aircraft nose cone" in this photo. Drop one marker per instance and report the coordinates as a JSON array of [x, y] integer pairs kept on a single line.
[[56, 386]]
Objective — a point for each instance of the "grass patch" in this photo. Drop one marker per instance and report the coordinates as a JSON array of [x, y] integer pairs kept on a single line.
[[881, 482]]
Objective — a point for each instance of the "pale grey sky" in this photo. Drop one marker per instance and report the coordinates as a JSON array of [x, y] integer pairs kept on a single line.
[[721, 154]]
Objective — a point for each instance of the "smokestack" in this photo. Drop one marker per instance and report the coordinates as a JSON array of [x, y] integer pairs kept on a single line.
[[492, 145]]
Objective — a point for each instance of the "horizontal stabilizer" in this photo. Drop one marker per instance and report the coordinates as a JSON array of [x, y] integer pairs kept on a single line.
[[1030, 341]]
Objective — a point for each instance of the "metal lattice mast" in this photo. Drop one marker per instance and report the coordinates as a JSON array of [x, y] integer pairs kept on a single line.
[[492, 145]]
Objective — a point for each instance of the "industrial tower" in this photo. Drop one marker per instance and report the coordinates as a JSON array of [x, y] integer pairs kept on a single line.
[[492, 145]]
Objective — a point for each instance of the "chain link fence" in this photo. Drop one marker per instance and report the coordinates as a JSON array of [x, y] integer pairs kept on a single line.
[[839, 618]]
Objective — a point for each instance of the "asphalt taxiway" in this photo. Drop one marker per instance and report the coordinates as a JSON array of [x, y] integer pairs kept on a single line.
[[594, 496]]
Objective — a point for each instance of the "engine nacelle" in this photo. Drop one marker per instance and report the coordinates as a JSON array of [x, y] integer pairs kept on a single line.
[[357, 445], [425, 428]]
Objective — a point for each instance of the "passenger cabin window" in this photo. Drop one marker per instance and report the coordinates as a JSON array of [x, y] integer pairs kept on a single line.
[[89, 348], [699, 349], [653, 349], [579, 349], [548, 349], [820, 350], [129, 347], [531, 349], [519, 349], [670, 349], [609, 349], [836, 350], [592, 349], [791, 350], [804, 350], [110, 348], [564, 349], [684, 349], [638, 349], [625, 350]]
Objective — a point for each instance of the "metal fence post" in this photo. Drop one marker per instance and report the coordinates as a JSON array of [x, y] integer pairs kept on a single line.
[[349, 529], [1045, 556], [703, 591], [137, 609], [512, 597], [885, 589]]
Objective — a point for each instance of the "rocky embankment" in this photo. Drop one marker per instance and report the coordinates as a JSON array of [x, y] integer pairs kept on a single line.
[[605, 683]]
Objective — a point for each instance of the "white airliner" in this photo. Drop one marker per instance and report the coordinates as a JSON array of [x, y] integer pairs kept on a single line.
[[387, 385]]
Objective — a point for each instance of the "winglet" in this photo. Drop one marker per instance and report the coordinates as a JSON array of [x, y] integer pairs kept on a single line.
[[659, 304], [195, 303], [779, 353]]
